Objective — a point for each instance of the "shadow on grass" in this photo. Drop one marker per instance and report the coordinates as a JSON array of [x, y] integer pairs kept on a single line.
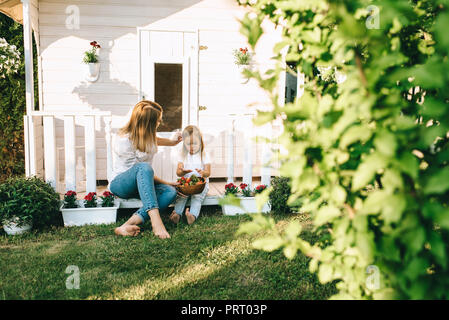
[[202, 261], [33, 266]]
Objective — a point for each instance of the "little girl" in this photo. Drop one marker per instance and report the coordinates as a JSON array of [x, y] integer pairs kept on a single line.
[[193, 161]]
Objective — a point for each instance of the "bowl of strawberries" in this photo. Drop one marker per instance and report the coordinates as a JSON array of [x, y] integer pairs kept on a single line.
[[191, 185]]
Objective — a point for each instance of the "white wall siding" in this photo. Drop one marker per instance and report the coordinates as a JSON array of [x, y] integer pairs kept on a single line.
[[114, 23]]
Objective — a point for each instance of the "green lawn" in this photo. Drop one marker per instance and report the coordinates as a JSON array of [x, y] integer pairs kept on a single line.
[[202, 261]]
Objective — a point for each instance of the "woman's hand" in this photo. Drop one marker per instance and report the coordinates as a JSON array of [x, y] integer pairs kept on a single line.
[[184, 172], [177, 139], [173, 184], [201, 172]]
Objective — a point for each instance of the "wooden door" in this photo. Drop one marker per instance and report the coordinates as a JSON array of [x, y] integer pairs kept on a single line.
[[168, 76]]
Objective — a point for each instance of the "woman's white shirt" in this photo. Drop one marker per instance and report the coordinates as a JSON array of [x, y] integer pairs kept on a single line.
[[124, 155]]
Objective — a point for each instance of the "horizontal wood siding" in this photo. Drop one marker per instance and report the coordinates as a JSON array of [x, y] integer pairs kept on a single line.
[[114, 23]]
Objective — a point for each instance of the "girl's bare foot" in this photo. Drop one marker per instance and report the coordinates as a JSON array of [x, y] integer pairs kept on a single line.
[[158, 225], [127, 230], [174, 217], [190, 217]]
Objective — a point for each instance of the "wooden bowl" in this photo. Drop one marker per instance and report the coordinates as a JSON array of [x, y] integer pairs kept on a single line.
[[189, 190]]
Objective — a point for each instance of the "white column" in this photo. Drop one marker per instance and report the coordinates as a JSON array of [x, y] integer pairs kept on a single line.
[[107, 131], [90, 155], [265, 171], [30, 151], [50, 151], [248, 151], [30, 146], [28, 48], [69, 152], [230, 154]]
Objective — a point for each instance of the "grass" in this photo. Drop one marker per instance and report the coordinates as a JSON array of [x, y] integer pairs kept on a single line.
[[202, 261]]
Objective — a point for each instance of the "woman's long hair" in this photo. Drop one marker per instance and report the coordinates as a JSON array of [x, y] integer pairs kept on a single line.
[[141, 127], [192, 131]]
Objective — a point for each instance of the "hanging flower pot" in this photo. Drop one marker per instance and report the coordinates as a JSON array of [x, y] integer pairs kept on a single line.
[[91, 60], [243, 60], [242, 77], [93, 71]]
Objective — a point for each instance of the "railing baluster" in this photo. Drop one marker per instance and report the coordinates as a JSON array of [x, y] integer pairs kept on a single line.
[[248, 154], [230, 154], [50, 151], [90, 150], [107, 131], [69, 152], [265, 171]]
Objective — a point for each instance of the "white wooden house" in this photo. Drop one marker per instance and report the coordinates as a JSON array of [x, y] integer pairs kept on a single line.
[[176, 52]]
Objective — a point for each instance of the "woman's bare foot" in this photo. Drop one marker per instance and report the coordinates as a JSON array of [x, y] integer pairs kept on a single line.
[[157, 224], [174, 217], [127, 230], [190, 217]]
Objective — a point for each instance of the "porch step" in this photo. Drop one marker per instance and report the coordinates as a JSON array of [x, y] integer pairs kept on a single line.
[[216, 191], [137, 203]]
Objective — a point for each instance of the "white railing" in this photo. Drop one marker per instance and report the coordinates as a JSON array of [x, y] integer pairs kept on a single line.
[[50, 158], [245, 121], [49, 148]]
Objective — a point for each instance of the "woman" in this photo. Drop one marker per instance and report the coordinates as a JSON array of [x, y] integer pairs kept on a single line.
[[132, 175]]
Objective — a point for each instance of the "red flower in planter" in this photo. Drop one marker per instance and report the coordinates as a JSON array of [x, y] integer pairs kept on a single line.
[[90, 200], [70, 193], [107, 199], [70, 199], [95, 44], [245, 190], [260, 188], [107, 194], [231, 188]]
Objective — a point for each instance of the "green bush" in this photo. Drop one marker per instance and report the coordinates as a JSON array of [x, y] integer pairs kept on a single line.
[[369, 155], [279, 195], [12, 103], [29, 199]]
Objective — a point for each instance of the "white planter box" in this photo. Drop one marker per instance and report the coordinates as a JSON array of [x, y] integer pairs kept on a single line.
[[11, 228], [82, 216], [248, 204]]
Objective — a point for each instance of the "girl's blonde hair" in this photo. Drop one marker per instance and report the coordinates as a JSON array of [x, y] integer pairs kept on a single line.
[[190, 131], [141, 127]]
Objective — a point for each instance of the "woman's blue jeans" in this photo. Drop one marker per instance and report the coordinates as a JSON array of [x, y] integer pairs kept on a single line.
[[138, 182]]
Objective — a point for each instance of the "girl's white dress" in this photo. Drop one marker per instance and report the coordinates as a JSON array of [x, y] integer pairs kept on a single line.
[[193, 162]]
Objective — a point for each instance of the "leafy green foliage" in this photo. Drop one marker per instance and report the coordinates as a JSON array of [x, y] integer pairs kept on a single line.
[[367, 151], [12, 103], [9, 58], [280, 194], [29, 199]]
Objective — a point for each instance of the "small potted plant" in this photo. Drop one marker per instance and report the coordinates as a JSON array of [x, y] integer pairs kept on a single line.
[[246, 191], [260, 188], [90, 210], [247, 200], [91, 59], [27, 203], [242, 58]]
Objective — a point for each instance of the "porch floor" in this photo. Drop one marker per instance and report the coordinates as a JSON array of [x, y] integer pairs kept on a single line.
[[216, 191]]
